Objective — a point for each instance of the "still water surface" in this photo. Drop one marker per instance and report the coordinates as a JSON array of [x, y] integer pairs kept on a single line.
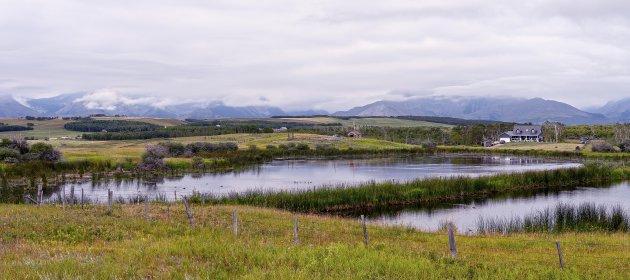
[[466, 215], [298, 175]]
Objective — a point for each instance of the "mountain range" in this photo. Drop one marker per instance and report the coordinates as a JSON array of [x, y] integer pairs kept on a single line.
[[534, 110], [510, 109]]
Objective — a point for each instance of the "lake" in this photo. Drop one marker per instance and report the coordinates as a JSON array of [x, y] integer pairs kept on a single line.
[[465, 215], [305, 174]]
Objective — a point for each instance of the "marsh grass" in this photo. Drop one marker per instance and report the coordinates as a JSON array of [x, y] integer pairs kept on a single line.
[[340, 198], [585, 217]]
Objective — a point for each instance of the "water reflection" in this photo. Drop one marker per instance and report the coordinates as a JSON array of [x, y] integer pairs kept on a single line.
[[466, 213], [305, 174]]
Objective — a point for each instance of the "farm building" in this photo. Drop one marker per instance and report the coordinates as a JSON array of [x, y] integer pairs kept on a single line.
[[523, 133]]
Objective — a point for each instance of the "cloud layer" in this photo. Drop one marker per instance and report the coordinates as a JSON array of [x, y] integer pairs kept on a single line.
[[320, 54]]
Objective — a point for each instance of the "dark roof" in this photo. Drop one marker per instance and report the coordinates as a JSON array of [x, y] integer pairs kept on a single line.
[[527, 130]]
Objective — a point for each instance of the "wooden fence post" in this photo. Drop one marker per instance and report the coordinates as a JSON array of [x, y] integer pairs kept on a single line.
[[39, 196], [82, 197], [146, 208], [296, 239], [110, 200], [63, 197], [189, 212], [451, 240], [71, 196], [560, 254], [235, 223], [365, 233]]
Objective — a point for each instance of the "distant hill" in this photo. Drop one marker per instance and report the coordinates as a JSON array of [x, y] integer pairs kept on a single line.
[[76, 104], [9, 108], [618, 111], [506, 109], [535, 110]]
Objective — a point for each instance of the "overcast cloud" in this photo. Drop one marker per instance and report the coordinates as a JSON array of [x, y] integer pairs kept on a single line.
[[324, 54]]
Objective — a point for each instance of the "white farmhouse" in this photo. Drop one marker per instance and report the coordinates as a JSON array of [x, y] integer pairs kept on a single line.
[[522, 133]]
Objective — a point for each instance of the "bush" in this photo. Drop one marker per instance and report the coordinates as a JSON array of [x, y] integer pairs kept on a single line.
[[602, 147], [625, 146], [198, 147], [8, 153], [151, 163], [302, 147], [429, 145], [198, 163], [19, 150], [156, 151], [174, 149]]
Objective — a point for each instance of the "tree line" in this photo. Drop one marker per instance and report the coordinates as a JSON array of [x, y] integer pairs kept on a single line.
[[172, 132], [90, 125], [7, 127]]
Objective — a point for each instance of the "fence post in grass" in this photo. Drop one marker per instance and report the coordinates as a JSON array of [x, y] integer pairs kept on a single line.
[[296, 239], [560, 254], [451, 241], [82, 197], [71, 196], [146, 208], [235, 223], [63, 197], [189, 212], [365, 233], [39, 197], [110, 200]]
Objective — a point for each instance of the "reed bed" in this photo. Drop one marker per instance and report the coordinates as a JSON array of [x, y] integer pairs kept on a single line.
[[585, 217], [342, 198]]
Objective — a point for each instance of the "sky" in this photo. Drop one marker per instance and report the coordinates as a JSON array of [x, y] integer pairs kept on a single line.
[[320, 54]]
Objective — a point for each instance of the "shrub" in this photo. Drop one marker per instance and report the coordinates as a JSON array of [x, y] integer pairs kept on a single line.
[[156, 151], [8, 153], [198, 147], [429, 145], [602, 147], [198, 163], [151, 163], [174, 148], [302, 147]]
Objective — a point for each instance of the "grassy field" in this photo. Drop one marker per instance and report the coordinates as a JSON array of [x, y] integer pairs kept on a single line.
[[124, 150], [54, 128], [48, 128], [391, 122], [53, 243], [563, 147]]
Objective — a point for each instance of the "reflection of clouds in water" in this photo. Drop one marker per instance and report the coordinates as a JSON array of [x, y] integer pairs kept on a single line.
[[466, 216], [295, 175]]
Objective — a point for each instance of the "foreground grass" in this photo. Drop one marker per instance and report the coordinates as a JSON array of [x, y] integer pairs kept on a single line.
[[49, 242]]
